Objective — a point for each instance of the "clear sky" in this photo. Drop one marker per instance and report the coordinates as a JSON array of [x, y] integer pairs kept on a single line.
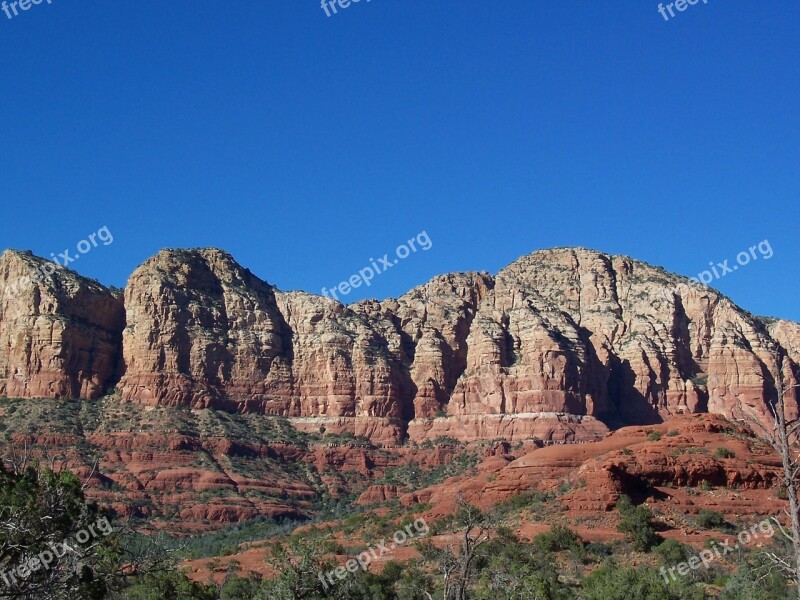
[[306, 145]]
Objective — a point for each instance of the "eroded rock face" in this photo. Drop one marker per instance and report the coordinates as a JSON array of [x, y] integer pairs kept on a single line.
[[204, 332], [558, 345], [201, 330], [580, 332], [59, 334]]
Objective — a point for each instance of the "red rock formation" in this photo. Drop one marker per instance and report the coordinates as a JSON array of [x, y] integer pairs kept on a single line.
[[59, 335], [670, 470], [557, 346]]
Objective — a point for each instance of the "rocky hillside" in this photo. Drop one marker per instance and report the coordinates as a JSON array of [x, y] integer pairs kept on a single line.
[[561, 344], [680, 470]]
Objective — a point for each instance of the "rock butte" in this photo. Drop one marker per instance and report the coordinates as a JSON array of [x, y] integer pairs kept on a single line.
[[562, 344]]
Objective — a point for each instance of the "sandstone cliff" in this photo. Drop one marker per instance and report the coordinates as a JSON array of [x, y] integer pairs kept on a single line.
[[558, 345], [59, 336]]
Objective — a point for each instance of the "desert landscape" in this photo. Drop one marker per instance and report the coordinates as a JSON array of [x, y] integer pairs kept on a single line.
[[374, 300], [206, 408]]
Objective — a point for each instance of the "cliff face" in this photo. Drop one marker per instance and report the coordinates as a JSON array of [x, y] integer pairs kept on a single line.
[[558, 345], [59, 336], [200, 329]]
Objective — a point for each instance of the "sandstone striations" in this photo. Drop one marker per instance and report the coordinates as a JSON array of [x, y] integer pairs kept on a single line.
[[560, 345], [59, 336]]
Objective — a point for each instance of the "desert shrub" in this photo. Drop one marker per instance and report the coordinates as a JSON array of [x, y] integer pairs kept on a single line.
[[510, 570], [673, 552], [599, 549], [518, 502], [724, 453], [446, 440], [168, 585], [754, 580], [558, 539], [614, 582], [636, 522], [564, 488], [710, 519], [239, 588], [653, 436], [39, 510]]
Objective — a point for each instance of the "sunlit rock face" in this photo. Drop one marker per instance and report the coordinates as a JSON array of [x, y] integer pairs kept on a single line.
[[60, 334], [561, 344]]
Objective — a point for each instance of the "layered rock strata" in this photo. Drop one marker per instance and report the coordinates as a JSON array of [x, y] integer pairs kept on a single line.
[[60, 334], [559, 345]]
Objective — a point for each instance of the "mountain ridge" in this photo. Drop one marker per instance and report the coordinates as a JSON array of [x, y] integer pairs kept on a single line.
[[603, 340]]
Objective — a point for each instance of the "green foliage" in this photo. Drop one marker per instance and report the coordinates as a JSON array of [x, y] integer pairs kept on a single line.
[[615, 582], [636, 524], [40, 511], [168, 585], [559, 538], [515, 571], [756, 577], [414, 477], [724, 453], [519, 502], [711, 519], [755, 580], [564, 488], [599, 550], [445, 440], [653, 436], [673, 552], [297, 564]]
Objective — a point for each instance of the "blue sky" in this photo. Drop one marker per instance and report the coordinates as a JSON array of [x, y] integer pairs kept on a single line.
[[306, 145]]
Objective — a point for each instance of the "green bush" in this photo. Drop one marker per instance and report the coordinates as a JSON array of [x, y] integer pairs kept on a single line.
[[711, 519], [39, 508], [558, 539], [239, 588], [636, 522], [653, 436], [724, 453], [754, 580], [673, 552], [614, 582], [168, 586], [517, 502]]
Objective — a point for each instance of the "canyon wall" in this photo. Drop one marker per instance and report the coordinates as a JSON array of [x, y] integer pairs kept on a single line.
[[59, 335], [561, 344]]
